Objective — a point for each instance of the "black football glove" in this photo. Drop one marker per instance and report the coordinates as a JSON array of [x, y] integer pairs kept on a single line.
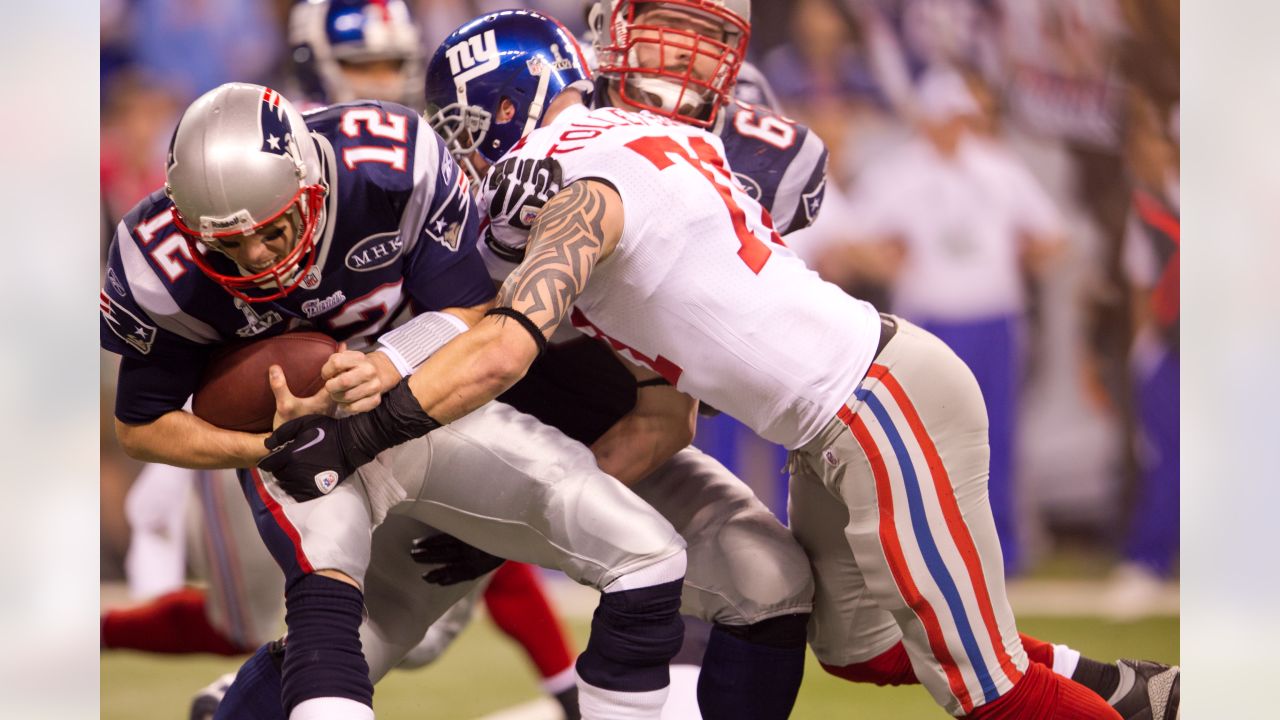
[[307, 456], [313, 454], [460, 562]]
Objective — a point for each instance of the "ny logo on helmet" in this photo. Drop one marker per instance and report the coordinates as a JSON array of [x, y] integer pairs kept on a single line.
[[473, 57]]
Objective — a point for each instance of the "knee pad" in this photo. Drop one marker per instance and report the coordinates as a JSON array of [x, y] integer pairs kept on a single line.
[[634, 635], [891, 667], [785, 632], [324, 657]]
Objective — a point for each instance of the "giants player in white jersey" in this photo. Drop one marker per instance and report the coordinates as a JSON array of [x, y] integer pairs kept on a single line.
[[886, 425]]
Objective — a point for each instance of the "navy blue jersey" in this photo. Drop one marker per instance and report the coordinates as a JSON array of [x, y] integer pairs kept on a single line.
[[399, 237], [780, 162]]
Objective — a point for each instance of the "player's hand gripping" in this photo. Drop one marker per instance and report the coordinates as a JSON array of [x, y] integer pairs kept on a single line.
[[459, 561], [311, 455], [356, 380]]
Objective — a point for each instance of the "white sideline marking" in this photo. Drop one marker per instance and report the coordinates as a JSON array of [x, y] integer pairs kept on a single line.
[[540, 709]]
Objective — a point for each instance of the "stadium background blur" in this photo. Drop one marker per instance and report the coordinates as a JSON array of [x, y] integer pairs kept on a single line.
[[1083, 94]]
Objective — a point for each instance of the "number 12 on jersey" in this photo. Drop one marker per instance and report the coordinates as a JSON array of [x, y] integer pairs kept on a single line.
[[393, 127], [663, 152]]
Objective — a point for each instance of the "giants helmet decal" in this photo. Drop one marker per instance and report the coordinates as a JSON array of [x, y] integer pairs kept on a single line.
[[518, 56]]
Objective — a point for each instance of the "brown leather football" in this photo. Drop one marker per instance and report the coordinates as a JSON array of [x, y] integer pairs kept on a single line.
[[234, 392]]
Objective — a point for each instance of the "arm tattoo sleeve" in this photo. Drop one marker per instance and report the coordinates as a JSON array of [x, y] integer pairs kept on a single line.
[[564, 245]]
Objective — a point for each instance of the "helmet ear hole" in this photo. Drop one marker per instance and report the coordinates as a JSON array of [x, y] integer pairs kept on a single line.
[[506, 110]]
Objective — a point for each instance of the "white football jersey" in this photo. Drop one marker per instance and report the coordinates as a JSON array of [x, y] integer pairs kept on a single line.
[[700, 287]]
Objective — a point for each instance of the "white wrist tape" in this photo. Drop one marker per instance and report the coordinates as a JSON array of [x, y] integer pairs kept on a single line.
[[409, 345]]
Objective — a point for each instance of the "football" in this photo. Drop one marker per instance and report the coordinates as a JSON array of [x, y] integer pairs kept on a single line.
[[234, 392]]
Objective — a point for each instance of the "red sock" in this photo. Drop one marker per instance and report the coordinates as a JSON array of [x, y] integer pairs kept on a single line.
[[519, 607], [1038, 651], [1041, 695], [891, 667], [172, 623]]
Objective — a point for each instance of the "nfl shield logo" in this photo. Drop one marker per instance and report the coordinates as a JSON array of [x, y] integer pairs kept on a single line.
[[326, 481], [311, 280]]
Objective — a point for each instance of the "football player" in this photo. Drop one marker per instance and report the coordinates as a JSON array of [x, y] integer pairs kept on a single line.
[[341, 50], [750, 577], [340, 221], [344, 50], [877, 412]]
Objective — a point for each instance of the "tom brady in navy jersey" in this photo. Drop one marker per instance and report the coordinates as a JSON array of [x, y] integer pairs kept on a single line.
[[270, 222], [379, 229]]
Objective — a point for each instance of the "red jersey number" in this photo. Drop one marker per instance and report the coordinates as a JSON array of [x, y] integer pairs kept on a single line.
[[663, 152]]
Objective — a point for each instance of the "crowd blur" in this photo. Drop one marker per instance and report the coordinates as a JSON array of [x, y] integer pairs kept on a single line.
[[1002, 172]]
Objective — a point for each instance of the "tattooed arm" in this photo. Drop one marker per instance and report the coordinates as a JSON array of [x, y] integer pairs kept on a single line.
[[578, 227]]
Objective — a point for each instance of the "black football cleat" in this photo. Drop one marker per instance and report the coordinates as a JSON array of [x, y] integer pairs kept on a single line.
[[1147, 691]]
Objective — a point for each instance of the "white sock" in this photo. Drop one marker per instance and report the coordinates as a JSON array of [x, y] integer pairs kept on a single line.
[[560, 682], [682, 701], [600, 704], [1065, 660], [331, 708]]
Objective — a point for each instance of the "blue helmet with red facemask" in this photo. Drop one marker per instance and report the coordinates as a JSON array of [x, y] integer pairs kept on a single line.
[[520, 56]]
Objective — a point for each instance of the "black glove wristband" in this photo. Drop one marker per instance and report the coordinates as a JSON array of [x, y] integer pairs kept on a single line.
[[398, 418]]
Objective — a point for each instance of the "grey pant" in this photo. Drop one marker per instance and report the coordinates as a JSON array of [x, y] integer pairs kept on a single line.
[[496, 479], [890, 503], [743, 565]]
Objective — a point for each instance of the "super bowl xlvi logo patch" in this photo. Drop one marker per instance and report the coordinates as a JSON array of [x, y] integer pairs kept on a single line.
[[537, 64], [375, 251], [326, 481], [473, 57], [127, 326], [256, 323], [312, 308]]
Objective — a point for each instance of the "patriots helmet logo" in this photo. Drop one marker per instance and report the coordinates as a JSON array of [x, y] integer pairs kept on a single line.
[[276, 136]]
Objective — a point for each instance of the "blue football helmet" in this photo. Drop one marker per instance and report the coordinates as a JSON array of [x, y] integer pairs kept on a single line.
[[332, 40], [521, 56]]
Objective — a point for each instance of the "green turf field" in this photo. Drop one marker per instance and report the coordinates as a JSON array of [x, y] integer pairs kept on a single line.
[[484, 672]]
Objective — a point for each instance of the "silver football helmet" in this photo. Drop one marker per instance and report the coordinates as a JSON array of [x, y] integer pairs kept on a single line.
[[632, 49], [240, 159]]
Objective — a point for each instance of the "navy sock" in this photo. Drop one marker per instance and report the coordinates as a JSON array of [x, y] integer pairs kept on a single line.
[[753, 673], [255, 695], [634, 634], [324, 658]]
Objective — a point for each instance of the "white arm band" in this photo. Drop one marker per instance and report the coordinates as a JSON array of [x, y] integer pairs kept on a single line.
[[409, 345]]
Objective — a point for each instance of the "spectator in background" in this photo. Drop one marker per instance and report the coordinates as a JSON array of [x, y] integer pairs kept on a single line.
[[195, 45], [950, 221], [137, 116], [1151, 261], [824, 77]]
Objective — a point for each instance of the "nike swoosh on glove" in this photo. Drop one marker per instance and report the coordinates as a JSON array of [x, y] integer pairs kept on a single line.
[[461, 562], [307, 456]]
